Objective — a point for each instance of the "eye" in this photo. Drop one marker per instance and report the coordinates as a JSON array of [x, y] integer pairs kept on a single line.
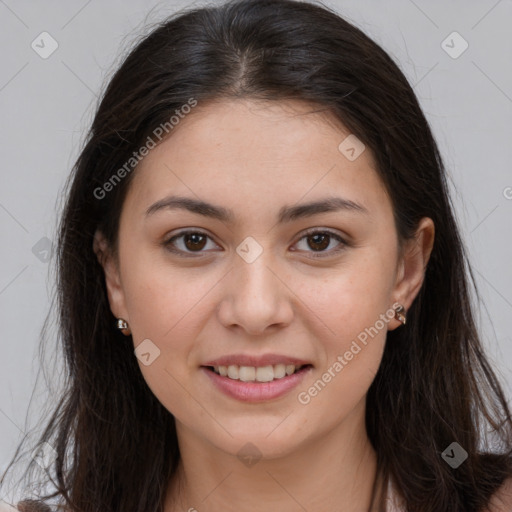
[[319, 240], [189, 242]]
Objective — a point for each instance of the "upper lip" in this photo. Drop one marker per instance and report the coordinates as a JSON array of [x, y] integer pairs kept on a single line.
[[257, 361]]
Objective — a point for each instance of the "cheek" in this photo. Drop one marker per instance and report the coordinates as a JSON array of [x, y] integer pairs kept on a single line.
[[165, 302], [355, 310], [166, 306], [350, 299], [354, 306]]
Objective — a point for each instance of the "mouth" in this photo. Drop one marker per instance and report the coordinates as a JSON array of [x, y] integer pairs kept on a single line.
[[262, 374], [256, 378]]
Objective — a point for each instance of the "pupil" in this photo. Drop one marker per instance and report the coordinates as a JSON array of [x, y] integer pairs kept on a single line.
[[323, 237], [194, 238]]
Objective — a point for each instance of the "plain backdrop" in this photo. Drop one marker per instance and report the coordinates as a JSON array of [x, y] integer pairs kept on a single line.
[[46, 106]]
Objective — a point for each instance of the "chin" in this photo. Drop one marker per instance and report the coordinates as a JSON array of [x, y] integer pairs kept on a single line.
[[267, 440]]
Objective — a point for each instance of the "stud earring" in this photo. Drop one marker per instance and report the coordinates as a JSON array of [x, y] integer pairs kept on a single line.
[[400, 314], [122, 325]]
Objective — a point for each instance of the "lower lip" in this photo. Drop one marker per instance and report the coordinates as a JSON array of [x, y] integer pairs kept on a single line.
[[256, 391]]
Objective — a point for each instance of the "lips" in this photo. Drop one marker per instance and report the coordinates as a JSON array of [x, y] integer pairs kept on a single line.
[[256, 378]]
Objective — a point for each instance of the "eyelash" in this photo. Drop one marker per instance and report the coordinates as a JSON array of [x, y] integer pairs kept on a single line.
[[319, 254]]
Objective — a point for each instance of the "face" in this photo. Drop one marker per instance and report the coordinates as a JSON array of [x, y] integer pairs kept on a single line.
[[261, 282]]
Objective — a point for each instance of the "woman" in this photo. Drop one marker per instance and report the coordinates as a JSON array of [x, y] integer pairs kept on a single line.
[[262, 287]]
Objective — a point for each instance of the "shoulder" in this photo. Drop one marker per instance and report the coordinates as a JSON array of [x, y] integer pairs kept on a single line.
[[6, 507], [24, 506], [501, 501]]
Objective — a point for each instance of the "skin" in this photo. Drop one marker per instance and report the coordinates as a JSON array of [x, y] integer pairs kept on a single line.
[[255, 157]]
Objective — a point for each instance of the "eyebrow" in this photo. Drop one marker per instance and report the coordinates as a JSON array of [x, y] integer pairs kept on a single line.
[[286, 213]]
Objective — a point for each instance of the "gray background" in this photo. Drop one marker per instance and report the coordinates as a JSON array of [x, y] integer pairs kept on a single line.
[[47, 104]]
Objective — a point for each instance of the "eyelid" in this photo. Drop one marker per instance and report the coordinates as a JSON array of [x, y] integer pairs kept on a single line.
[[327, 231], [311, 231], [167, 243]]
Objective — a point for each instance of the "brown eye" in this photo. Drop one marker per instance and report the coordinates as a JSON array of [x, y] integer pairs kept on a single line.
[[194, 241], [188, 242], [318, 241]]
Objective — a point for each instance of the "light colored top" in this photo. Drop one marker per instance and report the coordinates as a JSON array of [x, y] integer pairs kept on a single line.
[[5, 507], [393, 502]]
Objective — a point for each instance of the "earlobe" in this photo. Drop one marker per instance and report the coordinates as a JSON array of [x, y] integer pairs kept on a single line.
[[112, 277], [413, 264]]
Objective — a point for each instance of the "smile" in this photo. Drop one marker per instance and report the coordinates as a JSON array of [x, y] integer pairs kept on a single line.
[[256, 373], [256, 383]]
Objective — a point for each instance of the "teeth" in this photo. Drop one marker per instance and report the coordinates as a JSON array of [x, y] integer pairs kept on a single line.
[[247, 373], [279, 371], [233, 372], [259, 374], [265, 373]]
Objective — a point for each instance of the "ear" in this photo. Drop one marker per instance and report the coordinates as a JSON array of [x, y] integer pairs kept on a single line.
[[413, 263], [110, 266]]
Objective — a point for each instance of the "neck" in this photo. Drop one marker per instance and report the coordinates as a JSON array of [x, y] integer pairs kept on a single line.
[[336, 471]]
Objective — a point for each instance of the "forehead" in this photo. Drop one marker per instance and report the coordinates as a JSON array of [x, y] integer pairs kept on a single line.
[[251, 152]]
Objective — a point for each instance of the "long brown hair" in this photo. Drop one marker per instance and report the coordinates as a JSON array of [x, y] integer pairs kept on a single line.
[[115, 444]]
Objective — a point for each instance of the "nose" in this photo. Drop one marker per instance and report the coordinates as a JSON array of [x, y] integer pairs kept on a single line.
[[256, 297]]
